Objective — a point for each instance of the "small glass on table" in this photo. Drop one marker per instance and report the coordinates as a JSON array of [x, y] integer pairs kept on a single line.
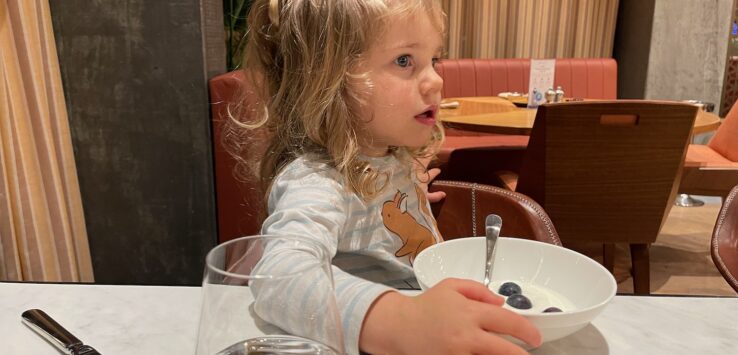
[[269, 294]]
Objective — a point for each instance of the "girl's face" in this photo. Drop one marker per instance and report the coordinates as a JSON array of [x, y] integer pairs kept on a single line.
[[402, 105]]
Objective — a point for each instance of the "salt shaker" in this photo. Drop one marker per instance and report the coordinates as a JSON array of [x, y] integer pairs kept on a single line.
[[559, 94], [550, 95]]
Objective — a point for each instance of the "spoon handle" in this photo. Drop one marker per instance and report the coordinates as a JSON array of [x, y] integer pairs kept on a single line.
[[492, 224]]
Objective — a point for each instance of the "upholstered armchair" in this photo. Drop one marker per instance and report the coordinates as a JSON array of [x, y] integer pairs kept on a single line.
[[462, 213], [712, 169]]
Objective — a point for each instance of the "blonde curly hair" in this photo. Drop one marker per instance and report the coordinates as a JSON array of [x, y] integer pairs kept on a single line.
[[304, 57]]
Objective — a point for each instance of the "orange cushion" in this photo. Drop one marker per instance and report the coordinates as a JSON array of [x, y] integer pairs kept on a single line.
[[725, 140], [699, 155]]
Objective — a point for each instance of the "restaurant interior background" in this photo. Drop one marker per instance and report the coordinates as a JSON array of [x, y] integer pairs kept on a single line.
[[134, 80]]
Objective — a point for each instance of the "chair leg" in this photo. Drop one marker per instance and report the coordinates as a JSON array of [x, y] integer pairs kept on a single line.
[[608, 257], [639, 256]]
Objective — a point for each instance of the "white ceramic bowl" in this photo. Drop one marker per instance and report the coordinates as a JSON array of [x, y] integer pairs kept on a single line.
[[586, 284]]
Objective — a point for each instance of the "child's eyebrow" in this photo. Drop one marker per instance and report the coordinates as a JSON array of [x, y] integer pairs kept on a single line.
[[405, 45], [412, 46]]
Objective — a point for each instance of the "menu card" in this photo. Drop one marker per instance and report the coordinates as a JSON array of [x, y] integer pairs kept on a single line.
[[541, 79]]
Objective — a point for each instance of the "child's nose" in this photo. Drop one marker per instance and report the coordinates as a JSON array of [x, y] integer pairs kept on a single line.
[[432, 82]]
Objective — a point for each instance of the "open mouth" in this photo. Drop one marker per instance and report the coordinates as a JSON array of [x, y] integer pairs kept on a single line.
[[428, 117]]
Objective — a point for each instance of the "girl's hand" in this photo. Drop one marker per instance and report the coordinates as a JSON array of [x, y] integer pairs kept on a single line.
[[425, 177], [454, 317], [432, 196]]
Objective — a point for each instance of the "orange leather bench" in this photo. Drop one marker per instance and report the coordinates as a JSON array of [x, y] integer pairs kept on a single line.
[[591, 78]]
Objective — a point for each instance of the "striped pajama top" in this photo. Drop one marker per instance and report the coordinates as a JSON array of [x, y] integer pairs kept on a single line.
[[372, 243]]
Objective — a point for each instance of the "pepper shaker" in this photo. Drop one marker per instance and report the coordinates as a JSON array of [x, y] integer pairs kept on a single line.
[[550, 95], [559, 94]]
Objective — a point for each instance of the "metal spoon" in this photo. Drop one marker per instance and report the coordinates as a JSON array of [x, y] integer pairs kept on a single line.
[[492, 225]]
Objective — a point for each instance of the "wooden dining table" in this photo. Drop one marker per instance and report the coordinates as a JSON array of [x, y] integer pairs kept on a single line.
[[492, 114]]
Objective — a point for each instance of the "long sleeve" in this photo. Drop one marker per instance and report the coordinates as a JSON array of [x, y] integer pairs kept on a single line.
[[315, 206]]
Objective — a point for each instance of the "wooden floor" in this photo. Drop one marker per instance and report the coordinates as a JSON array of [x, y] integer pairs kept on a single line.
[[680, 259]]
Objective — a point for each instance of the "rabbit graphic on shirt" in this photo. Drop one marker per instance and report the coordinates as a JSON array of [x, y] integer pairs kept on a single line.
[[414, 236]]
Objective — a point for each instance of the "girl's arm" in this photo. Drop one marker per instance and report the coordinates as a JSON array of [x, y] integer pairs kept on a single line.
[[454, 317], [312, 205]]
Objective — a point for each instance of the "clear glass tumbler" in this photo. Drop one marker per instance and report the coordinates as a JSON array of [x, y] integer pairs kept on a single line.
[[269, 294]]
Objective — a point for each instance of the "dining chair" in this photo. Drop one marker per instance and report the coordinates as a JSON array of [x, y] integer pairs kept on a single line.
[[462, 213], [712, 169], [606, 172], [724, 244]]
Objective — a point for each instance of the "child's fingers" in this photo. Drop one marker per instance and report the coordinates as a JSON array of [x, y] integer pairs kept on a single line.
[[503, 321], [436, 196], [432, 173], [475, 291], [423, 162]]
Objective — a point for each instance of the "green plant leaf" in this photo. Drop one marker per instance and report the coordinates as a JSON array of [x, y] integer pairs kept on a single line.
[[235, 13]]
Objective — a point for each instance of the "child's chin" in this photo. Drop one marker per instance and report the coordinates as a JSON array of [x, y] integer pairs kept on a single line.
[[422, 140]]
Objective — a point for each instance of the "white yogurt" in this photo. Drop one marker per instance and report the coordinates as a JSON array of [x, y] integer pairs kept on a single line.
[[540, 296]]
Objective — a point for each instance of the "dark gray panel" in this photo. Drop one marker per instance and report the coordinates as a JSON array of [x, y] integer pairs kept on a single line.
[[632, 46], [134, 74]]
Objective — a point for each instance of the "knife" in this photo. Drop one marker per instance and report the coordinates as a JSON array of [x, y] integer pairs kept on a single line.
[[54, 333]]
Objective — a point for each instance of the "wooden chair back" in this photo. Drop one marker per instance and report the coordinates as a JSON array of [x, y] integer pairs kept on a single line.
[[607, 170]]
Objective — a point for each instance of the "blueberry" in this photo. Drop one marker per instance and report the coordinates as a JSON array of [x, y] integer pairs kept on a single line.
[[551, 310], [509, 289], [519, 301]]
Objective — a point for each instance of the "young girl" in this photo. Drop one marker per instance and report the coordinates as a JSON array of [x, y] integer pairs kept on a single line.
[[351, 104]]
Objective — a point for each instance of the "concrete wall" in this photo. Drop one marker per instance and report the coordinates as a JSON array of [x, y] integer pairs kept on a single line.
[[688, 49], [135, 75], [672, 49]]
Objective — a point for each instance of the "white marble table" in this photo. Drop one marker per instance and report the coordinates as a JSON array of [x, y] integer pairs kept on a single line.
[[163, 320]]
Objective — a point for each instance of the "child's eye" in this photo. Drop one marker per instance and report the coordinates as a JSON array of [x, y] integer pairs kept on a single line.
[[435, 61], [403, 61]]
